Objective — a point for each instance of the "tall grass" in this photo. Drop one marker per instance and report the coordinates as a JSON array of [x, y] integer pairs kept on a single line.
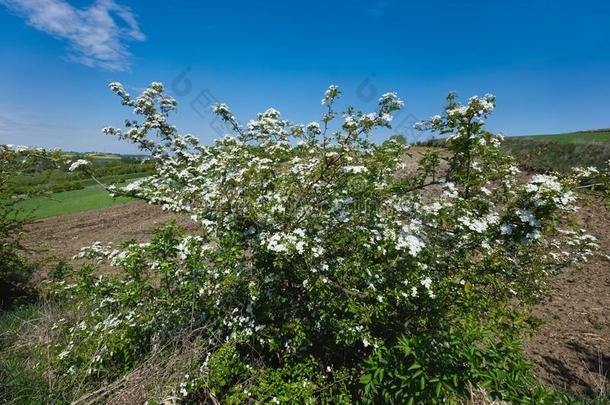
[[21, 382]]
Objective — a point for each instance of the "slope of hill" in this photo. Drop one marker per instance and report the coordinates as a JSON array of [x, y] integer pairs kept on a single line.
[[598, 135], [560, 152]]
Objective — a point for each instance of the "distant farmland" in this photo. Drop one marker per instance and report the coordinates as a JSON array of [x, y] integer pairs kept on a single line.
[[60, 192], [601, 135], [560, 152], [68, 202]]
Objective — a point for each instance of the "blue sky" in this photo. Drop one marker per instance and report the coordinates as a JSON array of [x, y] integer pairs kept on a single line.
[[548, 62]]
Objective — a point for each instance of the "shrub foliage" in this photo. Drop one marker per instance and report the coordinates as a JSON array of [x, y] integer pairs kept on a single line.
[[15, 269], [327, 269]]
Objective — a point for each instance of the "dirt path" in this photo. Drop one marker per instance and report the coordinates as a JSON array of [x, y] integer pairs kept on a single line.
[[572, 348]]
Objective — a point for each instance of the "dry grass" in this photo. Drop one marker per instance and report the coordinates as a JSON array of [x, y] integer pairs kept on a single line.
[[598, 378], [25, 334], [479, 396], [157, 377]]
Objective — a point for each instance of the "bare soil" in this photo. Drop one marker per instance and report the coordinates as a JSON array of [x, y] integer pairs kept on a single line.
[[62, 237], [571, 349]]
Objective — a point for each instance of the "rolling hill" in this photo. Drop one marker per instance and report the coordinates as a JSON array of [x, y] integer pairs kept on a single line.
[[598, 135]]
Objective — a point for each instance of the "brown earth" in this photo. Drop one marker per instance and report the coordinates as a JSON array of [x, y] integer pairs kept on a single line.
[[62, 237], [571, 349]]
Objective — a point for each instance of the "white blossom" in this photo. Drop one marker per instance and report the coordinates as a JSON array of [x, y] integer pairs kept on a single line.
[[78, 164]]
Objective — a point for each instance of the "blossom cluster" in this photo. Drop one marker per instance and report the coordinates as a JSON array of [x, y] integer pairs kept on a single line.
[[77, 164]]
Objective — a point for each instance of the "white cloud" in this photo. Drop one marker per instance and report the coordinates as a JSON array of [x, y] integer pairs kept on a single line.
[[96, 35]]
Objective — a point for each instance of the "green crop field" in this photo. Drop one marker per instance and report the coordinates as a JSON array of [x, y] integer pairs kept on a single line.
[[57, 191], [102, 156], [68, 202], [574, 137]]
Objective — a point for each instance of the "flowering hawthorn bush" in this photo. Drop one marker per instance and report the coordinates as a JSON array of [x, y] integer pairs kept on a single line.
[[321, 259]]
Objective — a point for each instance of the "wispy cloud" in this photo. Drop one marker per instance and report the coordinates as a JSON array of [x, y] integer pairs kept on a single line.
[[96, 35], [377, 9]]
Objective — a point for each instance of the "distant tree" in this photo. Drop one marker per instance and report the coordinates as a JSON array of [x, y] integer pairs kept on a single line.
[[15, 269], [399, 139]]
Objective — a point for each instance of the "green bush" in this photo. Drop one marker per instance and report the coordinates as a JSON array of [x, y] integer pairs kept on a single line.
[[319, 274], [15, 269]]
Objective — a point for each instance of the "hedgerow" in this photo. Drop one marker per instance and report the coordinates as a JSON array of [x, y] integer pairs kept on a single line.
[[325, 270], [15, 268]]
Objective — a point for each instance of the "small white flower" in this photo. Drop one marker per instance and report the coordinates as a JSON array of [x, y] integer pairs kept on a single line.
[[63, 354], [474, 224], [313, 127], [528, 217], [77, 164], [355, 169], [506, 229]]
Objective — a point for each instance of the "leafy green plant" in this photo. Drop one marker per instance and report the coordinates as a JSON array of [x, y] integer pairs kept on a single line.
[[435, 369], [320, 260]]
